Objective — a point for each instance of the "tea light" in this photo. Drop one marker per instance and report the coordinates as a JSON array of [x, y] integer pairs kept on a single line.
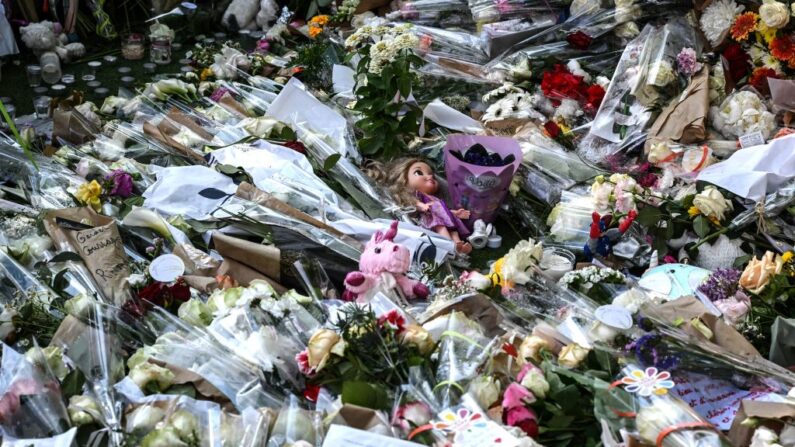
[[495, 241], [58, 89], [556, 262], [257, 35], [40, 90], [88, 78], [101, 92], [124, 70], [68, 79], [176, 46], [208, 41], [186, 69], [185, 61], [94, 66], [93, 84], [127, 80], [220, 36], [149, 67], [110, 59]]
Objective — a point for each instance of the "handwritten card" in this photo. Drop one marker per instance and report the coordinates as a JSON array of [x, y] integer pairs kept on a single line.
[[715, 400], [341, 435], [471, 428]]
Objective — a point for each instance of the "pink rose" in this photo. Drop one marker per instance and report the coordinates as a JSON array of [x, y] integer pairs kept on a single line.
[[735, 308], [524, 418], [412, 414], [517, 396]]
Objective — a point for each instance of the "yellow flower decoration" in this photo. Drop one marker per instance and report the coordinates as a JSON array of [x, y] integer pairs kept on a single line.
[[693, 211], [787, 256], [89, 194], [766, 32], [206, 73], [314, 31]]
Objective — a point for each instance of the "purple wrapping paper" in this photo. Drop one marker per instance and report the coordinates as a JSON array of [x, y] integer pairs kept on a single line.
[[479, 189]]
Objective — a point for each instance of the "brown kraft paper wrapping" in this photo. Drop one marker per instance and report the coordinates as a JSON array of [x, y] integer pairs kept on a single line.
[[685, 120], [100, 246], [740, 434]]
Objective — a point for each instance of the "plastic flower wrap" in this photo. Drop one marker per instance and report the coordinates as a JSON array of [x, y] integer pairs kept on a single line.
[[30, 399], [295, 425], [743, 113]]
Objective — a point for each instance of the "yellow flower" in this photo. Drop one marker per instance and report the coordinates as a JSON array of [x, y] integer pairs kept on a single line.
[[321, 20], [89, 194], [766, 32], [787, 256], [206, 73], [314, 31], [693, 211]]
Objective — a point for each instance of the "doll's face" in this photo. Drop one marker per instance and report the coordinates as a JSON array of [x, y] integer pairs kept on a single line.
[[421, 178]]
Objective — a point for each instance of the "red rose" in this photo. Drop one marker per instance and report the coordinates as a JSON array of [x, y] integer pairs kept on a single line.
[[153, 293], [180, 291], [758, 79], [579, 40], [393, 319], [738, 61], [560, 83], [311, 392], [296, 146], [595, 94], [552, 129]]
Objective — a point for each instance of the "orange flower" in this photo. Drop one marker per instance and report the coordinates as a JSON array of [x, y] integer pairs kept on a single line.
[[314, 31], [782, 48], [744, 25], [321, 20]]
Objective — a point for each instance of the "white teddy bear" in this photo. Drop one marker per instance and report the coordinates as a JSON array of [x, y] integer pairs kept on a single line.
[[250, 14], [46, 36]]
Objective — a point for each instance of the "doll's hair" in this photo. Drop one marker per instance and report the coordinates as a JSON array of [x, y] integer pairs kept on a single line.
[[394, 177]]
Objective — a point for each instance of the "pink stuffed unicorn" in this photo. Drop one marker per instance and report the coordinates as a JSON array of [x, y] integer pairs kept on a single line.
[[383, 263]]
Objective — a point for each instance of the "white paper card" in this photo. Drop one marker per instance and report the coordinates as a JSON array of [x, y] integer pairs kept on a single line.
[[716, 400], [752, 139], [614, 316], [167, 268], [340, 435]]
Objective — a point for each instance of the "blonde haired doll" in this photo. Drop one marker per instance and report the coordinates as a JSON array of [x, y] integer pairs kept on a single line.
[[411, 182]]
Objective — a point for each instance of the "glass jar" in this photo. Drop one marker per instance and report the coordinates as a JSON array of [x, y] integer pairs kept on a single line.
[[132, 47], [50, 67], [160, 51], [34, 75]]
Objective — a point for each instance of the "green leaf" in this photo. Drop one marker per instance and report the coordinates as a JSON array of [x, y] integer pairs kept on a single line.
[[311, 11], [404, 85], [365, 395], [687, 202], [66, 256], [72, 384], [701, 226], [331, 161], [17, 136], [649, 216], [741, 261]]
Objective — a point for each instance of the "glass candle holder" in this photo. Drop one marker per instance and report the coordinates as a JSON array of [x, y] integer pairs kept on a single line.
[[149, 67], [127, 80], [132, 47], [124, 70], [94, 66], [68, 79], [556, 262], [58, 90], [41, 106], [176, 46], [110, 59], [34, 75], [101, 92], [186, 69], [93, 84], [41, 90], [160, 51]]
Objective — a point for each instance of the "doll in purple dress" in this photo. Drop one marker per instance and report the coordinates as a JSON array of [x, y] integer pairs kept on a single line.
[[412, 183]]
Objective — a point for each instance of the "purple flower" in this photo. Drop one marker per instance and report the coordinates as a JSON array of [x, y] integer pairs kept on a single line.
[[263, 46], [121, 183], [686, 62], [722, 284], [650, 350], [219, 93]]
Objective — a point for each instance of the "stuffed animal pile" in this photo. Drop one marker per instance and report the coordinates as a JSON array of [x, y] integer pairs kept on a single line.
[[46, 36]]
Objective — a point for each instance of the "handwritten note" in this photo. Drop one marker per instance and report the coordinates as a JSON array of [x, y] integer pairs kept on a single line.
[[715, 400], [102, 250]]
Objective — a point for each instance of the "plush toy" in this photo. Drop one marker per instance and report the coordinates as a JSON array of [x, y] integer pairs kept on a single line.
[[603, 238], [46, 36], [383, 263], [250, 14]]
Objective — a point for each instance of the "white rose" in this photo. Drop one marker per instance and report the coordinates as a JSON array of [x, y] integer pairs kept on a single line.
[[50, 357], [195, 312], [485, 390], [535, 381], [711, 203], [144, 418], [662, 73], [164, 437], [79, 306], [186, 425], [531, 348], [630, 300], [774, 14], [572, 355], [222, 301], [144, 373], [603, 332], [660, 152], [653, 419], [83, 410], [764, 437], [628, 30]]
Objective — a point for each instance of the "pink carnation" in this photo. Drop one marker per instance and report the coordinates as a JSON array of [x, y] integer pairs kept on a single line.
[[686, 62]]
